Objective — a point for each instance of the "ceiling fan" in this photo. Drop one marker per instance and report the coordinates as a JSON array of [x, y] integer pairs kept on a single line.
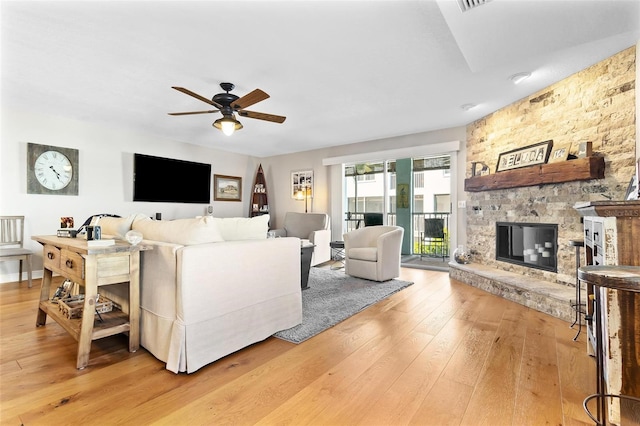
[[228, 104]]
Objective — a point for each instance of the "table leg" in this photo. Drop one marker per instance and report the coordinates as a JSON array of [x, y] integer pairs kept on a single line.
[[88, 313], [45, 290], [134, 301]]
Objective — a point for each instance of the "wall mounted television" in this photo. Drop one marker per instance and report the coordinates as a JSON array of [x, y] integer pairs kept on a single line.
[[167, 180]]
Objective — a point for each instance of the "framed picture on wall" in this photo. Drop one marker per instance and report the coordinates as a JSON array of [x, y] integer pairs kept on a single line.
[[227, 188], [301, 182]]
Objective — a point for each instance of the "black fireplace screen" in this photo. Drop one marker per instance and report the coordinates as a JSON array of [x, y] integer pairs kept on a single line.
[[528, 244]]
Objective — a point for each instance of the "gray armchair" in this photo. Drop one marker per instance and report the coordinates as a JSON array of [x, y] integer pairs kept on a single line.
[[313, 227], [373, 252]]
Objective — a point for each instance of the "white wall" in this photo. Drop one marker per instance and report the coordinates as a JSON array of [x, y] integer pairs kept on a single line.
[[106, 172], [105, 175]]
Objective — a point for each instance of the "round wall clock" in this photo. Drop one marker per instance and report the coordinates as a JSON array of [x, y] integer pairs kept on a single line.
[[52, 170]]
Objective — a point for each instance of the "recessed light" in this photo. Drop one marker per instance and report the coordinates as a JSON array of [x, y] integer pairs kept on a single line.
[[467, 107], [520, 77]]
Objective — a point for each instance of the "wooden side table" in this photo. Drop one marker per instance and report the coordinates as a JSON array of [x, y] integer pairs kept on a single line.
[[92, 268], [620, 278], [306, 251], [337, 254]]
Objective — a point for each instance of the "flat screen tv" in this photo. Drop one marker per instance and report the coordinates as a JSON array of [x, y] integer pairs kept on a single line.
[[167, 180]]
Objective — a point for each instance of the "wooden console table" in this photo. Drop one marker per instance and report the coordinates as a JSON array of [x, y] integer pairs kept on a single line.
[[92, 267]]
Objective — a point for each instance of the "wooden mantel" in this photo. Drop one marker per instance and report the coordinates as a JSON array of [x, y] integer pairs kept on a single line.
[[542, 174]]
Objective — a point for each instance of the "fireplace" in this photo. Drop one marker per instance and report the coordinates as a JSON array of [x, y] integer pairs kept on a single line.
[[534, 245]]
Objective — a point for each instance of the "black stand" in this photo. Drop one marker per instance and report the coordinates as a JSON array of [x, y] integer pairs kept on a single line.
[[578, 306]]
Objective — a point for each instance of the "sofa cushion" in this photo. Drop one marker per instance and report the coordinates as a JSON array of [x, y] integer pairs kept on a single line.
[[243, 228], [364, 253], [180, 231]]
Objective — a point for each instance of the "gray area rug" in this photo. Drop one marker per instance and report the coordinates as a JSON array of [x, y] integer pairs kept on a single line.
[[332, 297]]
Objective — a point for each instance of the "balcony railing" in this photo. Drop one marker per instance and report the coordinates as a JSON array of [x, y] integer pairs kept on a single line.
[[423, 245]]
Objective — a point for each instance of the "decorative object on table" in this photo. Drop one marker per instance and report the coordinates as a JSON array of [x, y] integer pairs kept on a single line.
[[537, 153], [66, 222], [52, 170], [584, 149], [94, 232], [133, 237], [301, 183], [227, 188], [67, 233], [560, 153], [66, 228], [461, 255], [227, 104], [333, 297]]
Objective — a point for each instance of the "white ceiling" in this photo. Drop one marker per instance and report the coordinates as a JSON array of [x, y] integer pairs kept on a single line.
[[341, 71]]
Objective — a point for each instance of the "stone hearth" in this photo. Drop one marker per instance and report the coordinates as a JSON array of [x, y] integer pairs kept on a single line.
[[544, 296]]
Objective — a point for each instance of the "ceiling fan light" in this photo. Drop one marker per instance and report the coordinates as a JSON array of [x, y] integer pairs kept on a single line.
[[227, 124]]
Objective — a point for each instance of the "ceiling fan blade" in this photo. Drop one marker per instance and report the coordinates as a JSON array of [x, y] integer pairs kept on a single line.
[[195, 95], [193, 112], [262, 116], [249, 99]]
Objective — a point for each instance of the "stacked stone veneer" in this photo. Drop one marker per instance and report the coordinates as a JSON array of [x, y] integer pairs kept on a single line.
[[597, 105]]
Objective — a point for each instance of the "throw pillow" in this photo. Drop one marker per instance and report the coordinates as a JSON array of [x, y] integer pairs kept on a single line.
[[116, 226], [243, 228], [180, 231]]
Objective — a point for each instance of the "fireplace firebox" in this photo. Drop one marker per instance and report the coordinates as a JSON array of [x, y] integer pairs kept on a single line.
[[534, 245]]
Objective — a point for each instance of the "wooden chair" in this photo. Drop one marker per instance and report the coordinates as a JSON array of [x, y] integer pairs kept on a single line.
[[11, 243]]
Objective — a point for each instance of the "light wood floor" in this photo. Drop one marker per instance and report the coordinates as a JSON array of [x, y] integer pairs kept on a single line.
[[436, 353]]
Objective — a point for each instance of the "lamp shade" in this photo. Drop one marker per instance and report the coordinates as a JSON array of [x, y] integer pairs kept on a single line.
[[228, 124]]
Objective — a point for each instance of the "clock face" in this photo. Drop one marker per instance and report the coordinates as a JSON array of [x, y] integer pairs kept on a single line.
[[53, 170]]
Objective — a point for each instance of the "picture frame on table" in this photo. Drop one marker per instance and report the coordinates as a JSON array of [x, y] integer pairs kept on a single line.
[[301, 180], [227, 188], [531, 155], [560, 153]]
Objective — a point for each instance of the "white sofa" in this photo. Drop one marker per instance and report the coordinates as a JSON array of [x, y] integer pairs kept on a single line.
[[313, 227], [211, 286]]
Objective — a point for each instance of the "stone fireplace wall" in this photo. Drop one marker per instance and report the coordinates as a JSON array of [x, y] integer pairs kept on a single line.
[[597, 105]]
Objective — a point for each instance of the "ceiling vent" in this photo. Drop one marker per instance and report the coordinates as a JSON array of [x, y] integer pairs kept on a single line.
[[466, 5]]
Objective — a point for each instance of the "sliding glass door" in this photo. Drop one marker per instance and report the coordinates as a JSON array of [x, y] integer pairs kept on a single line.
[[371, 192]]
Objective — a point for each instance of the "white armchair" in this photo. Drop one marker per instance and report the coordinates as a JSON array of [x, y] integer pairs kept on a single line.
[[313, 227], [373, 252]]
